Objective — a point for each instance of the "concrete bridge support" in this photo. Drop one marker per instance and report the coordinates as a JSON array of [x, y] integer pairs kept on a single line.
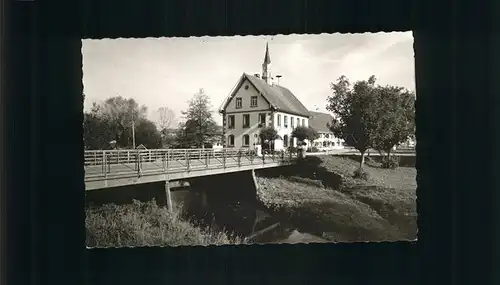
[[230, 197]]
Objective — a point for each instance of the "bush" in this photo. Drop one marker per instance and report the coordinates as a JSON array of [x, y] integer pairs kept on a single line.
[[360, 173], [146, 224], [392, 162], [292, 149]]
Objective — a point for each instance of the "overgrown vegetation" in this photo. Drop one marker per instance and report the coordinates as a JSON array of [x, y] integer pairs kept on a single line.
[[146, 224], [382, 207]]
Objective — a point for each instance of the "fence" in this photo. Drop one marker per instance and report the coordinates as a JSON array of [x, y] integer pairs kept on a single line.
[[100, 163]]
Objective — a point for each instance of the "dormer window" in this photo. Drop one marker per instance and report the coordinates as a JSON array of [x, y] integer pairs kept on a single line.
[[253, 101], [246, 87], [239, 103]]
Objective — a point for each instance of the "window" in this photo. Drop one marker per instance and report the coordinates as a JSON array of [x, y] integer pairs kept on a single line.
[[246, 120], [298, 122], [262, 119], [292, 122], [279, 120], [285, 121], [303, 122], [292, 142], [246, 87], [230, 140], [285, 140], [246, 140], [253, 101], [230, 122], [238, 103]]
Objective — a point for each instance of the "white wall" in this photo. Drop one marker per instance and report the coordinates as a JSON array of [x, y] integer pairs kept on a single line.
[[246, 95], [282, 130]]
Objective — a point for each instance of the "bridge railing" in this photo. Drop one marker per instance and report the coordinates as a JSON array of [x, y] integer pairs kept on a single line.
[[105, 163]]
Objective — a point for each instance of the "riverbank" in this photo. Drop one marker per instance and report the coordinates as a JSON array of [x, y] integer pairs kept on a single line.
[[147, 224], [325, 201]]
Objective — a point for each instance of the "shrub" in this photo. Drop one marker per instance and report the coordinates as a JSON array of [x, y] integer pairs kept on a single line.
[[360, 173], [146, 224], [292, 149], [392, 162]]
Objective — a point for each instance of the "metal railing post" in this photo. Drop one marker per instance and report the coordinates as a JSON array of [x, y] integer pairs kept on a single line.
[[263, 158], [168, 159], [199, 155], [224, 158], [164, 160], [150, 156], [282, 156], [128, 156], [207, 156], [239, 158], [139, 168], [95, 157], [108, 162], [187, 159], [289, 156], [104, 165]]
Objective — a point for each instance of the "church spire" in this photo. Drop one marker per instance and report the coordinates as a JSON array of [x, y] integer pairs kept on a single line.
[[266, 73]]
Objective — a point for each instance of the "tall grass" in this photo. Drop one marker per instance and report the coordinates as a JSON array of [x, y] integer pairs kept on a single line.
[[146, 224]]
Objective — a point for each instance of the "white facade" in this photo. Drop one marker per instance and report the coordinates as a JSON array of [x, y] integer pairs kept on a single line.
[[242, 134], [327, 141]]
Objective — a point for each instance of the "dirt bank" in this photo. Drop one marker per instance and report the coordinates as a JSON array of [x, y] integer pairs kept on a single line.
[[345, 209]]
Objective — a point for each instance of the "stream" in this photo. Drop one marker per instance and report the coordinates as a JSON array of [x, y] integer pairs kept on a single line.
[[243, 218]]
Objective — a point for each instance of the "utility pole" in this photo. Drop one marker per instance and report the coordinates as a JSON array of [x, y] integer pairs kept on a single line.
[[133, 134]]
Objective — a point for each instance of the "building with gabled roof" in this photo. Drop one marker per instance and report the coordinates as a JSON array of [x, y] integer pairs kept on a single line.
[[321, 122], [257, 102]]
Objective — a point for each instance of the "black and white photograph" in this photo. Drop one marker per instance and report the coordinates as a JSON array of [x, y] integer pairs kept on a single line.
[[249, 140]]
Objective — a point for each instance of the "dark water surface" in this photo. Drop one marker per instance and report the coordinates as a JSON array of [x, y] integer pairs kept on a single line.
[[238, 216]]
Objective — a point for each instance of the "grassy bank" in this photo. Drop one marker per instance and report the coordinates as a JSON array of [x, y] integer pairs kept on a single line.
[[382, 208], [146, 224]]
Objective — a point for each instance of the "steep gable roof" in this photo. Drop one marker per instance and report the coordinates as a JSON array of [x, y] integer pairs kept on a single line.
[[320, 121], [279, 97]]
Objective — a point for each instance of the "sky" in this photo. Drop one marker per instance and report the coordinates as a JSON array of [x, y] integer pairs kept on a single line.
[[167, 72]]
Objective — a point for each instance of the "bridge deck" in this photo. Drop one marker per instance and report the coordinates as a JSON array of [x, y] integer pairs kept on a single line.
[[108, 170]]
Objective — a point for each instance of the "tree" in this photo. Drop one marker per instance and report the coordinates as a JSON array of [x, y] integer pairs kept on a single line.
[[122, 114], [268, 135], [354, 113], [305, 133], [165, 118], [395, 117], [200, 127], [95, 129], [147, 134]]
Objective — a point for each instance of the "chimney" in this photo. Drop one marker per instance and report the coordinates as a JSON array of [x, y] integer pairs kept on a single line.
[[257, 75], [278, 79]]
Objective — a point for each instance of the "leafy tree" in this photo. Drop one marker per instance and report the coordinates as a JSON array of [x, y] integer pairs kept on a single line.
[[268, 135], [122, 114], [305, 133], [95, 129], [354, 113], [147, 134], [395, 117], [200, 127]]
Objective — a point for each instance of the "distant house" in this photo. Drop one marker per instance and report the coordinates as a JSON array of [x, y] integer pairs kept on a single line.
[[141, 147], [326, 141], [256, 102], [171, 133]]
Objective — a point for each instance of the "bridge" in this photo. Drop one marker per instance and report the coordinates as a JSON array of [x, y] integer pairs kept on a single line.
[[113, 168]]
